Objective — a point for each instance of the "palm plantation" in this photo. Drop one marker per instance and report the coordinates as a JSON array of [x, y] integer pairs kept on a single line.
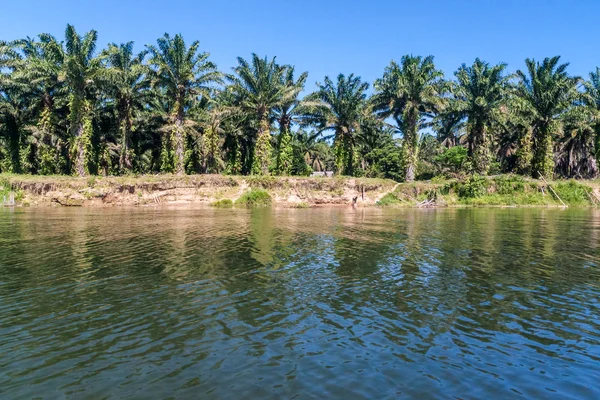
[[67, 107]]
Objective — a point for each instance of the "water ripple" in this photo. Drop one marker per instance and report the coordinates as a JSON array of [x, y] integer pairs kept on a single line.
[[328, 303]]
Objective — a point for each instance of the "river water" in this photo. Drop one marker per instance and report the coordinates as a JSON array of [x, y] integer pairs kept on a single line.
[[331, 303]]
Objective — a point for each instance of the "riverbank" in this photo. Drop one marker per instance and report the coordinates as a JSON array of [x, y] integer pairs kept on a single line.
[[152, 190], [297, 192]]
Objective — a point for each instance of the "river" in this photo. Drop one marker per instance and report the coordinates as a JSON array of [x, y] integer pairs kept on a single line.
[[332, 303]]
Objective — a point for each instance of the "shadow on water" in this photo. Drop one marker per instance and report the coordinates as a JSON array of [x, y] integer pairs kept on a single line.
[[332, 302]]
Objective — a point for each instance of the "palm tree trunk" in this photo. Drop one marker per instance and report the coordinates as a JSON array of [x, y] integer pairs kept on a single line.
[[411, 149], [124, 161], [262, 150], [179, 138], [478, 148], [543, 152], [80, 152]]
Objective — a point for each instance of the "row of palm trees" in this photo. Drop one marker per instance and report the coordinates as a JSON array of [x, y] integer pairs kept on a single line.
[[67, 108]]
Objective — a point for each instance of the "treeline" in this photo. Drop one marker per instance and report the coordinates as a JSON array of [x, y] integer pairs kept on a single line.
[[68, 108]]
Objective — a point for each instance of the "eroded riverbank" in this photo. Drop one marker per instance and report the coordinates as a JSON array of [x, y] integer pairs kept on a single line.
[[292, 192]]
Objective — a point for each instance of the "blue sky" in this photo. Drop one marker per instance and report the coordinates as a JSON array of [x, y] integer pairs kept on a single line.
[[329, 37]]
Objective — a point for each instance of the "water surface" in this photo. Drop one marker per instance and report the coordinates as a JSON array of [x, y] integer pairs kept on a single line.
[[311, 303]]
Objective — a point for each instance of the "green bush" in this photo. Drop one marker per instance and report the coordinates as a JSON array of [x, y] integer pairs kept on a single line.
[[509, 184], [474, 186], [572, 192], [452, 158], [223, 203], [254, 198]]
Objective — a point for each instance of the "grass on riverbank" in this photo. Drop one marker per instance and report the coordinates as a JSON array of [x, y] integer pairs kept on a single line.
[[501, 190]]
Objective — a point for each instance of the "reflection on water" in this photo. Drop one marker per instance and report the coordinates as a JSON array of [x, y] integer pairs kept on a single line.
[[327, 303]]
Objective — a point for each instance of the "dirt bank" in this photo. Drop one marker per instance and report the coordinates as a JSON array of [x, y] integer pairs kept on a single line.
[[61, 191]]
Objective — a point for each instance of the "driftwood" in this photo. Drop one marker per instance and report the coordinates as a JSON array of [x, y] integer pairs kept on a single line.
[[552, 190], [427, 203], [67, 204]]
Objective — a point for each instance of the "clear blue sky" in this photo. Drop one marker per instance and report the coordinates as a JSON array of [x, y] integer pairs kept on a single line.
[[329, 37]]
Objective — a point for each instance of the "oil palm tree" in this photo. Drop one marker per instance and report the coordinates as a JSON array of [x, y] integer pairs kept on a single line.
[[546, 93], [339, 108], [478, 97], [185, 74], [258, 90], [13, 105], [289, 111], [127, 81], [592, 88], [44, 71], [81, 71], [410, 93]]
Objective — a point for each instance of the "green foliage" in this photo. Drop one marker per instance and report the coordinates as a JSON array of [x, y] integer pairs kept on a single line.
[[386, 163], [254, 198], [68, 107], [452, 159], [223, 203], [474, 186], [573, 193], [285, 154], [509, 184]]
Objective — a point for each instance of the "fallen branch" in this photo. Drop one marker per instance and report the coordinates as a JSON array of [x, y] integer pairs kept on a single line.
[[552, 190]]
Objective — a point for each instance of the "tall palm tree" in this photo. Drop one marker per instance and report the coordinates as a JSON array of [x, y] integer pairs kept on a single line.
[[43, 69], [410, 92], [340, 107], [127, 81], [185, 74], [13, 105], [478, 96], [289, 111], [258, 90], [546, 92], [81, 70]]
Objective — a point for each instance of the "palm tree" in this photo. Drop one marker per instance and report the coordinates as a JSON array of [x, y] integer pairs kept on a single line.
[[185, 74], [592, 88], [312, 151], [127, 79], [410, 93], [288, 112], [43, 69], [81, 70], [340, 107], [258, 90], [546, 92], [478, 96], [13, 105]]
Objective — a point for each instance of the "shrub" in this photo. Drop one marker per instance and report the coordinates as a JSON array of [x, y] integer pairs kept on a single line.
[[509, 184], [572, 192], [474, 186], [452, 158], [223, 203], [254, 198]]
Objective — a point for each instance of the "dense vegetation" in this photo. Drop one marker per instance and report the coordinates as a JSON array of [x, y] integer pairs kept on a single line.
[[67, 107]]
